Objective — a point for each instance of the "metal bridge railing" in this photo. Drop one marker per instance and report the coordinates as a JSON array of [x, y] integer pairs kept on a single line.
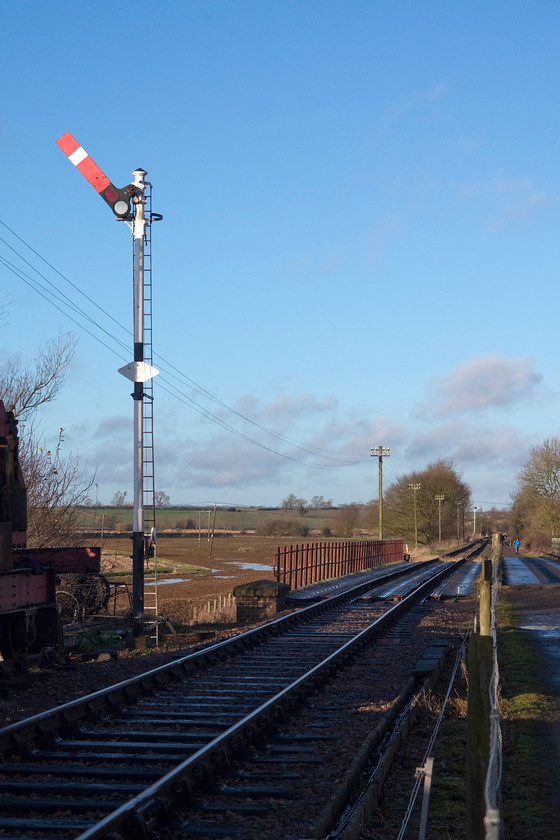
[[301, 565]]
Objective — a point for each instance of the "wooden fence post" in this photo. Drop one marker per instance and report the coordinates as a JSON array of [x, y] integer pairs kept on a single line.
[[480, 665]]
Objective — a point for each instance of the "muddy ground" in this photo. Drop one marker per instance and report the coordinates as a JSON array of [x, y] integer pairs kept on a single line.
[[195, 578]]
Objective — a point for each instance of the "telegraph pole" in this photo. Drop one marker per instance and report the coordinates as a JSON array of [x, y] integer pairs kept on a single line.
[[381, 452], [459, 515], [475, 508], [439, 499], [415, 488]]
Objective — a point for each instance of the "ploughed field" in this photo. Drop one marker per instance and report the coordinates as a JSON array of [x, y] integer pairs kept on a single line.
[[193, 572]]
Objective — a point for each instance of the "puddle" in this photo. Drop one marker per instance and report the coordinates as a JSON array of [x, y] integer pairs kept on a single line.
[[161, 581], [247, 567], [547, 631]]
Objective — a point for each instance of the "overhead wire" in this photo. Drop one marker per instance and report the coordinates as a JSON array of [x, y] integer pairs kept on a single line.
[[278, 435], [43, 293], [67, 307]]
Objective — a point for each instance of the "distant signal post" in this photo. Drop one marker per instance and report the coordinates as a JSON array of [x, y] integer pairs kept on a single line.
[[381, 452]]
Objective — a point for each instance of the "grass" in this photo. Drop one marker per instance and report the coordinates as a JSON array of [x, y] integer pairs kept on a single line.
[[230, 519], [530, 714], [163, 569], [447, 801]]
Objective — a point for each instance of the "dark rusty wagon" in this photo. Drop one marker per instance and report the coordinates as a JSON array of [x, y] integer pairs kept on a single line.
[[29, 620]]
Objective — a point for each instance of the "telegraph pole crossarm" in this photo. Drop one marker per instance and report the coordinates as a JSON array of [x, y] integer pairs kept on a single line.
[[381, 452]]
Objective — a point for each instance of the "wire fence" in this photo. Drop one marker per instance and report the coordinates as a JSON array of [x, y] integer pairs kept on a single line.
[[492, 790]]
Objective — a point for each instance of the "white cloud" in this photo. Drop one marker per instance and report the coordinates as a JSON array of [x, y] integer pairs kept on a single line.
[[473, 444], [513, 201], [482, 383], [211, 460], [116, 426], [422, 100]]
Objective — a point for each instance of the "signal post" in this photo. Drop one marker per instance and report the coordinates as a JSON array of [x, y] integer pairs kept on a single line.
[[137, 371]]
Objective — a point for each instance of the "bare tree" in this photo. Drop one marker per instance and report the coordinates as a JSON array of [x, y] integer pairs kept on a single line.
[[56, 487], [292, 502], [162, 499], [347, 519], [320, 503], [56, 484], [119, 499], [25, 387], [440, 478], [537, 504]]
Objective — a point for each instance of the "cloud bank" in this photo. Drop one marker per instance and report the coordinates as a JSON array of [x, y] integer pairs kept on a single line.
[[492, 381]]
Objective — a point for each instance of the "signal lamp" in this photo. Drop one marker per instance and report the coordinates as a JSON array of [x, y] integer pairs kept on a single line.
[[119, 200]]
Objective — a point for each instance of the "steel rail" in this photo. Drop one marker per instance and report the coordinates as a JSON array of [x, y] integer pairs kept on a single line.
[[72, 711], [178, 782], [131, 818]]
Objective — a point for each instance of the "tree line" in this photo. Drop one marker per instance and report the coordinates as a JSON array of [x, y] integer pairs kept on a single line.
[[535, 512], [421, 503]]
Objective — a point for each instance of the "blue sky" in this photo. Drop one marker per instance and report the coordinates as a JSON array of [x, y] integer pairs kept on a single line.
[[359, 245]]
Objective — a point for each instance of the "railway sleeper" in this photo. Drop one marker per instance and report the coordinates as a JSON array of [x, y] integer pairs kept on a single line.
[[26, 823], [152, 734], [183, 747], [280, 755], [255, 791], [82, 771], [163, 759], [27, 804]]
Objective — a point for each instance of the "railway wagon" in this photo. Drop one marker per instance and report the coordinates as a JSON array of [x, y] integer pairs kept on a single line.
[[29, 620]]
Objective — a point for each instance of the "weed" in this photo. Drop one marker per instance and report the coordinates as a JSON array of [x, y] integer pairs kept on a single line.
[[530, 802]]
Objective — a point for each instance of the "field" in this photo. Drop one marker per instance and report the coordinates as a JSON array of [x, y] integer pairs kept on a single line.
[[189, 578], [237, 520], [196, 577]]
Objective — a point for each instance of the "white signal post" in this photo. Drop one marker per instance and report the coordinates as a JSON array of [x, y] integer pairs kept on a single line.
[[137, 371], [138, 231]]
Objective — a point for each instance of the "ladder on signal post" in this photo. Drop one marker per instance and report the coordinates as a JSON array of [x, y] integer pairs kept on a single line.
[[148, 458]]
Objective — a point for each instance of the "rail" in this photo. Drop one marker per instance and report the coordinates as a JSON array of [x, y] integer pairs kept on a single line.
[[302, 565], [177, 783]]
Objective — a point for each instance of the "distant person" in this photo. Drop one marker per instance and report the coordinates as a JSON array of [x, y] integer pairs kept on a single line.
[[517, 543]]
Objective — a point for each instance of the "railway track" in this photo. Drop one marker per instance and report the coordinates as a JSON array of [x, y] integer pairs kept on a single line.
[[233, 741]]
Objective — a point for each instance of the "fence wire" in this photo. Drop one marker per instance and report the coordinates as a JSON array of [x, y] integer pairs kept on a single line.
[[492, 819]]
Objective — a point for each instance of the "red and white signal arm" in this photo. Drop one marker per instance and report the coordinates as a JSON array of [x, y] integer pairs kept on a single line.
[[117, 199]]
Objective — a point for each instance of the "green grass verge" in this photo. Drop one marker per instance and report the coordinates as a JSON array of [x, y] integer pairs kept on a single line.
[[530, 713], [448, 804], [163, 569]]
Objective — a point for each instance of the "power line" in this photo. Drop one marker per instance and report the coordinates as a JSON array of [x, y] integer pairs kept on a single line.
[[44, 294], [67, 307]]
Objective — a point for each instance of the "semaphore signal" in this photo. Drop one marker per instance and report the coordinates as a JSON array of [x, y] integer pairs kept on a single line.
[[128, 205], [118, 199]]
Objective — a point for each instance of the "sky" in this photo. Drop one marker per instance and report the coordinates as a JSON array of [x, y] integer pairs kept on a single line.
[[359, 245]]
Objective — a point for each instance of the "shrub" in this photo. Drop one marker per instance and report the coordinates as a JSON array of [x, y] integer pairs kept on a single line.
[[123, 526], [185, 524], [538, 542], [282, 528]]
